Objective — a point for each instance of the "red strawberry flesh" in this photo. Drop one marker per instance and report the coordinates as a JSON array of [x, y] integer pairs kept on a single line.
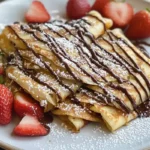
[[99, 4], [140, 26], [77, 8], [30, 126], [37, 13], [121, 13], [24, 104], [6, 101]]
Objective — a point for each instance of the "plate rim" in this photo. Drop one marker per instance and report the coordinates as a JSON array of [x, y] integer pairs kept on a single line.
[[7, 146]]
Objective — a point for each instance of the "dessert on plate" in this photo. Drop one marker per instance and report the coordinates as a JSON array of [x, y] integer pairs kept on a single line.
[[80, 70]]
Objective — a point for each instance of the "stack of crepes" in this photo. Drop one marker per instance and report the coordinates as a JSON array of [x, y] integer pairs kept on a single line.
[[79, 70]]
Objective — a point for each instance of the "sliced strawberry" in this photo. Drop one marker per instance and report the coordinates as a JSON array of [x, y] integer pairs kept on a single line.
[[99, 4], [77, 8], [24, 104], [6, 100], [140, 26], [120, 12], [30, 126], [37, 13]]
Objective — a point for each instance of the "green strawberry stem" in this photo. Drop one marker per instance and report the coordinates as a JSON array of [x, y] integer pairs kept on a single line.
[[148, 9], [1, 79], [123, 1]]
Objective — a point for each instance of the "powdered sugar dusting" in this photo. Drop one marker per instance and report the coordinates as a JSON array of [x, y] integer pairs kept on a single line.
[[96, 137], [69, 107]]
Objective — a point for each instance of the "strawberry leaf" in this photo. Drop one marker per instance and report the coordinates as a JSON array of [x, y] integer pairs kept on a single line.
[[148, 9], [1, 79]]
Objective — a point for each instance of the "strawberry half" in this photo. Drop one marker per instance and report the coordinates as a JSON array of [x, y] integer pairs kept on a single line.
[[77, 8], [30, 126], [140, 25], [24, 104], [99, 4], [6, 101], [120, 12], [37, 13]]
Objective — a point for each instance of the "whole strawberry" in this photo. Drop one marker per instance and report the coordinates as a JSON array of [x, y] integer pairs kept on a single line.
[[140, 25], [6, 101], [77, 8], [99, 4]]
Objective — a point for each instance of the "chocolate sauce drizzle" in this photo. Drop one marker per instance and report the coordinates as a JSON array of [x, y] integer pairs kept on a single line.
[[128, 69], [90, 15], [140, 45], [48, 67], [103, 99], [93, 53], [58, 55], [136, 68], [19, 63], [80, 49], [143, 110], [105, 90], [61, 54], [53, 45], [133, 103]]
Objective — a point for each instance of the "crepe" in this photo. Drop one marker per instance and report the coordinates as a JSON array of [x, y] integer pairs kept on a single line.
[[113, 117], [78, 64], [36, 67], [131, 89], [74, 116], [136, 85], [135, 81], [22, 37]]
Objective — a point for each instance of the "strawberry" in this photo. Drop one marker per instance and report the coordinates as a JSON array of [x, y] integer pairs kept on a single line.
[[99, 4], [37, 13], [30, 126], [120, 12], [140, 26], [24, 104], [6, 101], [77, 8]]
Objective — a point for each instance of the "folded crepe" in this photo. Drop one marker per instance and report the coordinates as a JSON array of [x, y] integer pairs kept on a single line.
[[131, 89], [53, 61], [46, 73], [51, 48], [74, 116], [118, 99], [113, 117]]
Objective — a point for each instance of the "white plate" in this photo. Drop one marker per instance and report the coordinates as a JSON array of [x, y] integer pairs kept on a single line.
[[135, 136]]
